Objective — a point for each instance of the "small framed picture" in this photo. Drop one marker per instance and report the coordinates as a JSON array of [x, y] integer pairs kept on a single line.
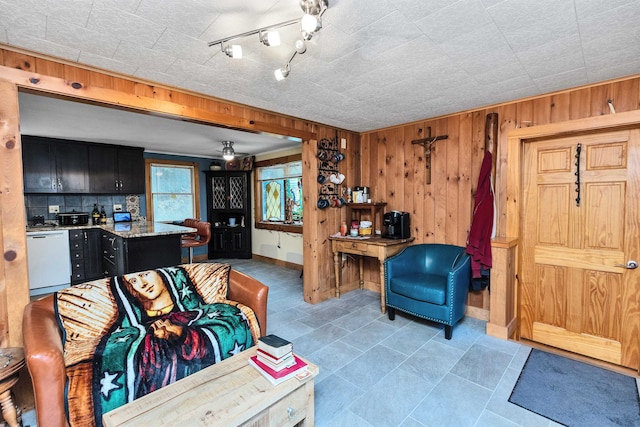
[[247, 163]]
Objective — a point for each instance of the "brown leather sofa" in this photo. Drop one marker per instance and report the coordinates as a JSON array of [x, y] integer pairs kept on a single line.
[[44, 352]]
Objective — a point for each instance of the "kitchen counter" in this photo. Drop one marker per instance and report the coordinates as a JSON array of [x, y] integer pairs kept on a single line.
[[127, 230], [94, 251]]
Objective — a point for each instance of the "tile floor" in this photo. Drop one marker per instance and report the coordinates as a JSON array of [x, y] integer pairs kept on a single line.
[[375, 372]]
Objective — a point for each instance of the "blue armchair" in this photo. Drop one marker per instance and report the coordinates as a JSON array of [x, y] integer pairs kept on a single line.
[[429, 281]]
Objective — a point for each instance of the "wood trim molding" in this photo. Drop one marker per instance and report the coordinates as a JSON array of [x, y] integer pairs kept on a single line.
[[147, 175], [257, 196], [277, 262], [83, 91], [14, 283]]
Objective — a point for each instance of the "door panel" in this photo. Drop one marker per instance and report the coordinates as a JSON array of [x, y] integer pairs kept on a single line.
[[578, 227]]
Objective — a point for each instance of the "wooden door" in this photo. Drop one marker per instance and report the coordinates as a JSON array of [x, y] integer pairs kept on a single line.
[[574, 293]]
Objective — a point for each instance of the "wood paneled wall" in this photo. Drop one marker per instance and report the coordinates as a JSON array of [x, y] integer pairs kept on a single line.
[[441, 212]]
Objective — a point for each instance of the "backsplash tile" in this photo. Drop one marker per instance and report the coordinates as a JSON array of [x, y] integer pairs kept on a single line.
[[38, 204]]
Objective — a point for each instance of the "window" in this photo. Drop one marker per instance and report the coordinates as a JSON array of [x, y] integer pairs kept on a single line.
[[172, 190], [279, 194]]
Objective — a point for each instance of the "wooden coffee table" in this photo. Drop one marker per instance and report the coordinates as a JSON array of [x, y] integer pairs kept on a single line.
[[230, 393]]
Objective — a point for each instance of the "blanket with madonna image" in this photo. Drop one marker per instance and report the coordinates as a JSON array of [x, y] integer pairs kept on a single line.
[[127, 336]]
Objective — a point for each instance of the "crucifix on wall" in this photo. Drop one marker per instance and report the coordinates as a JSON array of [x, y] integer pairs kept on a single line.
[[427, 143]]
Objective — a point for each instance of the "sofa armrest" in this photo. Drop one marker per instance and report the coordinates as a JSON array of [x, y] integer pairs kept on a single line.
[[44, 358], [250, 292]]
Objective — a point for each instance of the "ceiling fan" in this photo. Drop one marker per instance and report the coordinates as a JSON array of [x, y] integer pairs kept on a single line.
[[228, 153]]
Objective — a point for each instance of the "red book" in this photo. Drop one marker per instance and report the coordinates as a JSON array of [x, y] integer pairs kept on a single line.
[[263, 354], [276, 377]]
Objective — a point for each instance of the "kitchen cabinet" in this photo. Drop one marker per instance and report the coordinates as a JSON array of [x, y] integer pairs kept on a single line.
[[116, 169], [228, 201], [54, 165], [126, 255], [86, 255]]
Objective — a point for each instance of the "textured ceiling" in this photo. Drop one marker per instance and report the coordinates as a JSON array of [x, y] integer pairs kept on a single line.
[[374, 63]]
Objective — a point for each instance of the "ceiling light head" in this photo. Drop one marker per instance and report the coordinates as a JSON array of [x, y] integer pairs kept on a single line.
[[282, 73], [309, 23], [227, 151], [301, 46], [270, 38], [233, 51]]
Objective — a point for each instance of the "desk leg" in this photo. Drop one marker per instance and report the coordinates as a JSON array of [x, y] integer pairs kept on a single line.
[[383, 292], [336, 264], [361, 267]]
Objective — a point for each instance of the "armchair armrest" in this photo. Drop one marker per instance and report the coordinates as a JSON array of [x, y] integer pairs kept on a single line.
[[458, 283], [44, 358], [249, 291]]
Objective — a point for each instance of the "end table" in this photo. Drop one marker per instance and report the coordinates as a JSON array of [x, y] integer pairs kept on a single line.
[[11, 361]]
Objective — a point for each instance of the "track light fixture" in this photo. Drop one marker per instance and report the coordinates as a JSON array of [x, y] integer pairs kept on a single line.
[[233, 50], [282, 73], [310, 23], [270, 38]]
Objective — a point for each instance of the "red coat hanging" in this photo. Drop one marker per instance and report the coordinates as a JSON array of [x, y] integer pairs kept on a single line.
[[481, 232]]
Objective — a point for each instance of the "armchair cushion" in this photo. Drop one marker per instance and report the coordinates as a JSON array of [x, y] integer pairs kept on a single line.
[[431, 288]]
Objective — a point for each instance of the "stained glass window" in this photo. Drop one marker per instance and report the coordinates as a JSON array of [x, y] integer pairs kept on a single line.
[[281, 189]]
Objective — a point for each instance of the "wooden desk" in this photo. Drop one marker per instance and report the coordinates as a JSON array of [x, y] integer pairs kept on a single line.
[[376, 247], [229, 393]]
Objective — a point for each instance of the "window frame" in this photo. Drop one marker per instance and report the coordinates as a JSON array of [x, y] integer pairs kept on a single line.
[[257, 219], [180, 163]]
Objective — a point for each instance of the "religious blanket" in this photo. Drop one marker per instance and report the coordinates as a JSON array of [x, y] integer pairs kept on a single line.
[[126, 336]]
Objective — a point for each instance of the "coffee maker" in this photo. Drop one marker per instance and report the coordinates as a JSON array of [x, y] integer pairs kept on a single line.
[[396, 225]]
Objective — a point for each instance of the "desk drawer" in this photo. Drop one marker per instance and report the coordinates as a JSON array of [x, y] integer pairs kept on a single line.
[[359, 248], [289, 411]]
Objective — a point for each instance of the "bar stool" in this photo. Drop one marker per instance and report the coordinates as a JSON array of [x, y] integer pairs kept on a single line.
[[190, 222], [202, 237]]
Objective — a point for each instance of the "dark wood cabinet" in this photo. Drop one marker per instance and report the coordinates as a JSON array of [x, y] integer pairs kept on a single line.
[[116, 169], [229, 200], [54, 165], [60, 166], [112, 254], [127, 255], [86, 256]]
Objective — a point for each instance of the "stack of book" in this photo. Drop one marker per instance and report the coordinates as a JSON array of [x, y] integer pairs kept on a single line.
[[275, 360]]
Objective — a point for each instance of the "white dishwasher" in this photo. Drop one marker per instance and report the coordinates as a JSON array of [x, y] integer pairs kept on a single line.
[[49, 261]]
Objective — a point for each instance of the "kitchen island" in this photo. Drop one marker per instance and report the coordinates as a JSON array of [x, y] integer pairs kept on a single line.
[[112, 249], [136, 246]]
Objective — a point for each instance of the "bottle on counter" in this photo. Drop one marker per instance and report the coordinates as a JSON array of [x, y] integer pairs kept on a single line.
[[103, 216], [343, 228], [95, 215]]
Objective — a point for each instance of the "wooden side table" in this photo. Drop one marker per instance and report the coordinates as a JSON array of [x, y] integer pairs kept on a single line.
[[11, 361], [376, 247]]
